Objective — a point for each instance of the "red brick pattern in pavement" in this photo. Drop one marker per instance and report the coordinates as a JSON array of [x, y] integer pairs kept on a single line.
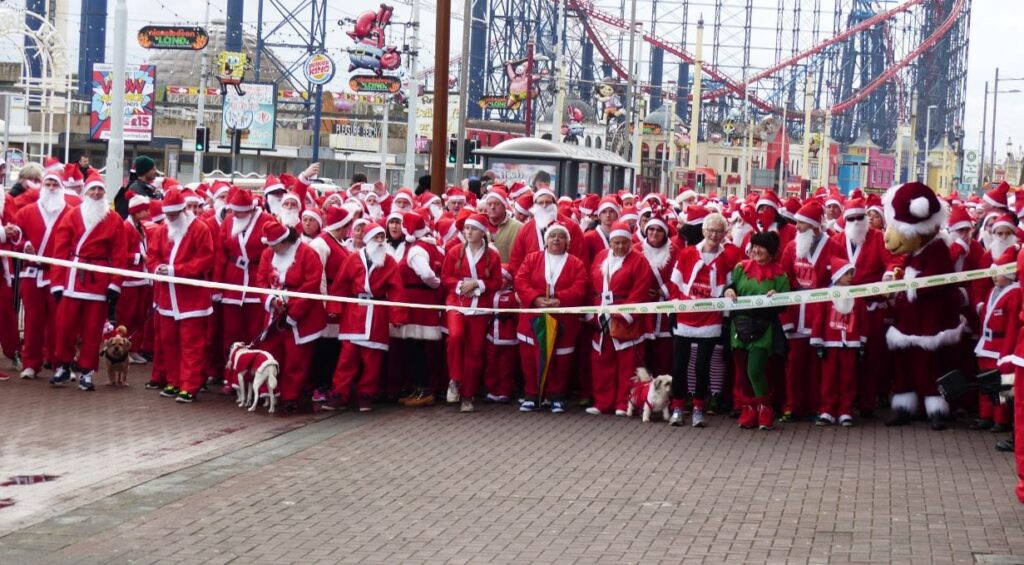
[[435, 486]]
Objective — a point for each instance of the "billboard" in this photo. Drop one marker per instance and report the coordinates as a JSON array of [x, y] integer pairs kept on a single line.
[[972, 167], [527, 171], [254, 112], [139, 102]]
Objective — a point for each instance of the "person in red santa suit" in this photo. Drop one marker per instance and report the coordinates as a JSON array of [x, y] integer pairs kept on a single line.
[[530, 238], [1000, 324], [1016, 380], [330, 246], [239, 248], [864, 247], [550, 278], [838, 335], [598, 239], [290, 265], [806, 261], [10, 341], [927, 325], [702, 271], [470, 276], [660, 254], [369, 274], [502, 365], [136, 301], [33, 233], [619, 276], [312, 223], [182, 247], [92, 234], [768, 219]]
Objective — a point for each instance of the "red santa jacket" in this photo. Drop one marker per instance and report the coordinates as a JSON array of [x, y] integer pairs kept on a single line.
[[421, 323], [502, 330], [694, 278], [968, 256], [8, 210], [832, 327], [1000, 324], [238, 257], [37, 228], [136, 244], [102, 245], [928, 318], [629, 284], [1017, 357], [191, 256], [662, 261], [871, 260], [805, 274], [298, 270], [459, 266], [540, 276], [530, 239], [367, 324], [595, 241]]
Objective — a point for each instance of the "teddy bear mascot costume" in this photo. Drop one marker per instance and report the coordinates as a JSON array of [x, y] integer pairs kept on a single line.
[[927, 325]]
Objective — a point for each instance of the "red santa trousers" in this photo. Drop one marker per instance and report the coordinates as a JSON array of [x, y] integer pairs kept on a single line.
[[241, 323], [612, 374], [876, 375], [916, 369], [988, 410], [838, 382], [501, 367], [294, 360], [184, 342], [40, 313], [658, 356], [467, 336], [557, 383], [133, 307], [216, 354], [9, 339], [803, 378], [1018, 428], [79, 319], [356, 361]]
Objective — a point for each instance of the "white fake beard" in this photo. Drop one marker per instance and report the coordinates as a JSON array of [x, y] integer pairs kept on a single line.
[[986, 239], [856, 232], [274, 203], [176, 229], [238, 226], [544, 215], [377, 252], [999, 245], [843, 305], [93, 211], [657, 256], [436, 211], [218, 208], [374, 211], [51, 201], [739, 232], [283, 261], [289, 218], [804, 242]]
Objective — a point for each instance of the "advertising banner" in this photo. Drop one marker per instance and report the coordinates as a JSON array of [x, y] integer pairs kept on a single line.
[[255, 113], [139, 104]]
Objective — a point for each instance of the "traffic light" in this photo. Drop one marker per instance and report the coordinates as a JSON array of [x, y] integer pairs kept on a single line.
[[453, 151], [202, 138], [700, 182], [469, 159], [469, 145]]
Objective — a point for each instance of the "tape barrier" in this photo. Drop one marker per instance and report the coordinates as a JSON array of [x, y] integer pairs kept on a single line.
[[669, 307]]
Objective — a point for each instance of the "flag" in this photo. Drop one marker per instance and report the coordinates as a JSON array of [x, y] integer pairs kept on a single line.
[[545, 329]]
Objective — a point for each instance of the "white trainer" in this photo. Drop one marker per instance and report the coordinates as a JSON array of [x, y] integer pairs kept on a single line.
[[453, 392]]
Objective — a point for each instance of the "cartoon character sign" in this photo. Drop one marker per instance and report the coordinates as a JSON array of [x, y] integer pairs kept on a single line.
[[231, 67], [369, 52], [608, 95], [518, 81], [573, 130]]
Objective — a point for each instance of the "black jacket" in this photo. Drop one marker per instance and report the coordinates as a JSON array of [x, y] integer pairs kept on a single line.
[[137, 186]]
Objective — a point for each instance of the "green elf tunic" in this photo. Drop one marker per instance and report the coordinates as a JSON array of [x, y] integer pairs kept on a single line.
[[750, 278]]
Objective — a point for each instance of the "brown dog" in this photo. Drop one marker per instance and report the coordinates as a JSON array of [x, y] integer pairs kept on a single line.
[[115, 354]]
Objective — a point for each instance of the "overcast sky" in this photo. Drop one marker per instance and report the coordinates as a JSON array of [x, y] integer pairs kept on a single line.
[[995, 26]]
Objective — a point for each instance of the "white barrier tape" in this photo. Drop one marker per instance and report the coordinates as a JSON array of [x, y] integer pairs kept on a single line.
[[669, 307]]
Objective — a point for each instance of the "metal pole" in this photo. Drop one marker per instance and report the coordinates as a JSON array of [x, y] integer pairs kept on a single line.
[[115, 148], [556, 112], [745, 155], [439, 135], [984, 124], [995, 102], [384, 142], [668, 156], [318, 112], [529, 89], [197, 161], [460, 151], [695, 94], [824, 159], [631, 77], [898, 173], [782, 154], [927, 140], [912, 173], [805, 164], [414, 99], [7, 127]]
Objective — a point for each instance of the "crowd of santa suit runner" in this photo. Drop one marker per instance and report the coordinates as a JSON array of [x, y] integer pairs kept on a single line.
[[485, 244]]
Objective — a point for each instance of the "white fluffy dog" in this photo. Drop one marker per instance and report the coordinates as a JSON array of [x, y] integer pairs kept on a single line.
[[258, 366], [653, 393]]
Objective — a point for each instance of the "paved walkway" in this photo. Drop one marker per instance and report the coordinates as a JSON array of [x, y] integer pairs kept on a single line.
[[146, 481]]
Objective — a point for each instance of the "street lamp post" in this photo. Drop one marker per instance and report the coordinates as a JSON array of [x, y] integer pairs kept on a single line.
[[927, 138]]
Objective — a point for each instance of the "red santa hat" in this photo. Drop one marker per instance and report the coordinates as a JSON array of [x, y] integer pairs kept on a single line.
[[73, 176], [273, 233], [525, 202], [620, 229], [174, 201], [589, 203], [687, 194], [58, 177], [791, 207], [609, 203], [169, 182], [854, 207], [811, 213], [455, 194], [427, 198], [834, 199], [191, 197], [314, 213], [856, 193], [478, 221], [95, 180], [1004, 221], [241, 201], [657, 222], [497, 193], [695, 215], [913, 209], [53, 165], [405, 194], [446, 228], [273, 184], [518, 189], [291, 196], [959, 218], [840, 267], [337, 218], [136, 202], [414, 226], [156, 211], [624, 194], [874, 203], [769, 198], [1009, 257], [629, 213], [998, 196], [747, 214], [220, 188], [557, 226], [542, 192]]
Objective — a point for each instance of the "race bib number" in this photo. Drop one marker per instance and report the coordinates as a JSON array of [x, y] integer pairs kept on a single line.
[[700, 290], [841, 322], [805, 275]]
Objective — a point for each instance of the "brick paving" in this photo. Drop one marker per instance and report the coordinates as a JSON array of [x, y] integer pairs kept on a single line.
[[436, 486]]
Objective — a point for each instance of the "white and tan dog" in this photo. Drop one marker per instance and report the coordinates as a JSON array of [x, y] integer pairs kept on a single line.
[[257, 366], [652, 393]]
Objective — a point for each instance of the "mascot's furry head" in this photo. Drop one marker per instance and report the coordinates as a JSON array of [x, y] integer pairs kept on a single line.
[[913, 216]]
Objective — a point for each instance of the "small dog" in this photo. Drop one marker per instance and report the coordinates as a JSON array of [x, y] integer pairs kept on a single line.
[[115, 352], [258, 366], [653, 393]]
